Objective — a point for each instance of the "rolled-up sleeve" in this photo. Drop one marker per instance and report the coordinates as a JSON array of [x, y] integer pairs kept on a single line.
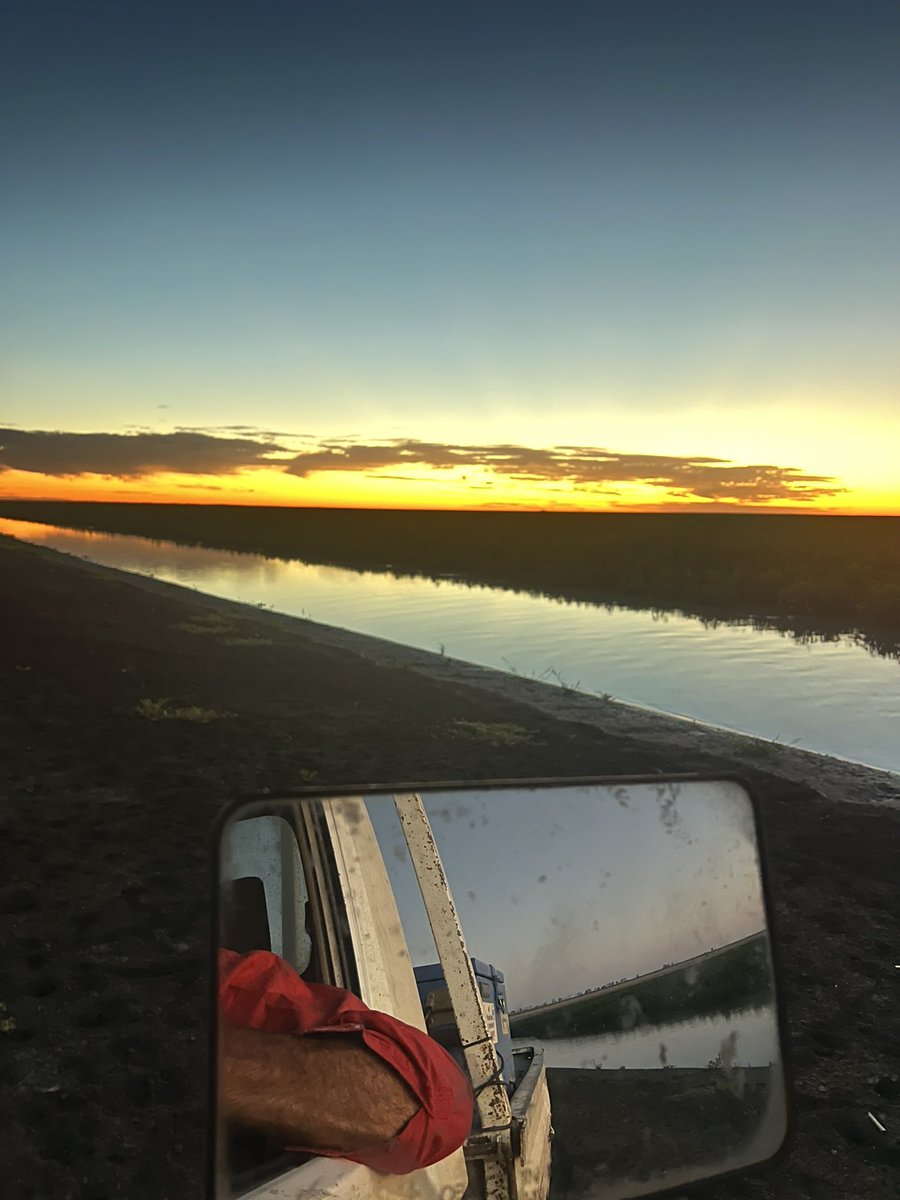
[[262, 991]]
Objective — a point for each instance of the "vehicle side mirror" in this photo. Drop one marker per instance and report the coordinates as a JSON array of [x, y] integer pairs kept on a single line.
[[594, 958]]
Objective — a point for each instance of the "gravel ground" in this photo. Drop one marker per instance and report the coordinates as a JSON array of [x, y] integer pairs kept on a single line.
[[106, 851]]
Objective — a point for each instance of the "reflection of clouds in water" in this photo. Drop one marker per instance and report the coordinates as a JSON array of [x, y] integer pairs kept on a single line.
[[142, 554]]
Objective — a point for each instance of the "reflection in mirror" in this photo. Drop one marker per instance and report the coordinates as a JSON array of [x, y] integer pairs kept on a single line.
[[530, 991]]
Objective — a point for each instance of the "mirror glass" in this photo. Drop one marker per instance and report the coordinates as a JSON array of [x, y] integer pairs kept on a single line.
[[603, 947]]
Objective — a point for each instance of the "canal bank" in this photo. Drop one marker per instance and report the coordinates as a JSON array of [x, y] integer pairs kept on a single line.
[[833, 777], [831, 695], [131, 710]]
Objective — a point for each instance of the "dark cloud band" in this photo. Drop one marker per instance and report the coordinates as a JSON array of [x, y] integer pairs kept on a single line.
[[587, 468], [584, 467], [130, 455]]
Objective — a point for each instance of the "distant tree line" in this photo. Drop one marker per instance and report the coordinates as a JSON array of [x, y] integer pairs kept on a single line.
[[737, 979], [815, 574]]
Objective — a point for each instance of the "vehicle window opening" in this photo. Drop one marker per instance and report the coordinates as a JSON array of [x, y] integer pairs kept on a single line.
[[245, 919], [268, 904]]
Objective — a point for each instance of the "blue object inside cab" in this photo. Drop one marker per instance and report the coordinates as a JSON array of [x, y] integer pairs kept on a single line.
[[435, 999]]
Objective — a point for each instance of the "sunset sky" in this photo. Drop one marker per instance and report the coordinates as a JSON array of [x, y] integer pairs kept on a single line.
[[469, 254]]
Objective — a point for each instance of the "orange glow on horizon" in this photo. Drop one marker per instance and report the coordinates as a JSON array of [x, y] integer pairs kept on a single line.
[[434, 491]]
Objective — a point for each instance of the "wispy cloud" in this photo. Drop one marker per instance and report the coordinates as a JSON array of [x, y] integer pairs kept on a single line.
[[253, 431], [225, 450]]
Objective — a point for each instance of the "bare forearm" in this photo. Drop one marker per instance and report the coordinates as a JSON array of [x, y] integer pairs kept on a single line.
[[325, 1092]]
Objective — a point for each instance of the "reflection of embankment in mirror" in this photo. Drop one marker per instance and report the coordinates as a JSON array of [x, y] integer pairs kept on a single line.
[[773, 570], [724, 980], [622, 1130], [717, 1115]]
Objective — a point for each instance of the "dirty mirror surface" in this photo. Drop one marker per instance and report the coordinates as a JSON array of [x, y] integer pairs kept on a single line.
[[619, 958]]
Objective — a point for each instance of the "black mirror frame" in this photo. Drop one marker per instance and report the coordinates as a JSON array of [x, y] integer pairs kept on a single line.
[[266, 796]]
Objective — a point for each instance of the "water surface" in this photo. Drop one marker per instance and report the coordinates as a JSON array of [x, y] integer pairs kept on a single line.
[[834, 697], [750, 1035]]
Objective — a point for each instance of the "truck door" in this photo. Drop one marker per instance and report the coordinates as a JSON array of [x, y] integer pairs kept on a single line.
[[316, 887]]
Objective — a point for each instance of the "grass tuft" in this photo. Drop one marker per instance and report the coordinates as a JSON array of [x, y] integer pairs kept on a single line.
[[161, 710], [494, 733], [216, 625], [209, 623]]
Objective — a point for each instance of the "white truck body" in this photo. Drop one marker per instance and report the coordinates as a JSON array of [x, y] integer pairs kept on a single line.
[[509, 1157]]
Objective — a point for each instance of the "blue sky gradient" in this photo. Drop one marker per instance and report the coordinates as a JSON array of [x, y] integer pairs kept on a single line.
[[653, 227]]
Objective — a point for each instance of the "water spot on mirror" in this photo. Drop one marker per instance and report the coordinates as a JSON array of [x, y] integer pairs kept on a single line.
[[630, 1013]]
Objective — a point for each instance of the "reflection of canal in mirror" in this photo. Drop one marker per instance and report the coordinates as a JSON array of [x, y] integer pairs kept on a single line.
[[693, 1043]]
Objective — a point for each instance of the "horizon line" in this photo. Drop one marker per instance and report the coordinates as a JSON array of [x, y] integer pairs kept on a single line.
[[645, 510]]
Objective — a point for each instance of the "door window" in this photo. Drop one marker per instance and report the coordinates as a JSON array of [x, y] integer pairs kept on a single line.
[[279, 893]]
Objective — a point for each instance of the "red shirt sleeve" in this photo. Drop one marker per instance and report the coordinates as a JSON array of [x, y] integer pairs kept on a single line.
[[260, 990]]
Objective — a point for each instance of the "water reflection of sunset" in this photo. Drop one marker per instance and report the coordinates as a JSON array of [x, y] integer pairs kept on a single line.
[[735, 674]]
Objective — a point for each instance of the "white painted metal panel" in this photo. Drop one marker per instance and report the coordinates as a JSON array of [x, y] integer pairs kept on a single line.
[[532, 1167], [468, 1009], [341, 1180], [386, 979]]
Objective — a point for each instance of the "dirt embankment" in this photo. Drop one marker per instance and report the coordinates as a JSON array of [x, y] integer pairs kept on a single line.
[[110, 785]]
